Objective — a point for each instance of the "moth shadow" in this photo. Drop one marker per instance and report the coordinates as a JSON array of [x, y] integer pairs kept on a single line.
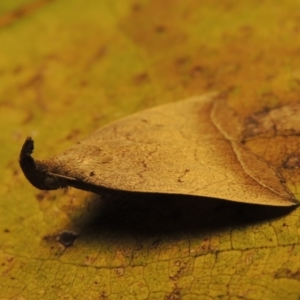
[[147, 215]]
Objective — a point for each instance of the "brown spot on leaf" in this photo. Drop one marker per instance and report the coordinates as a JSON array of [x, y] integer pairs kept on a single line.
[[23, 11], [35, 80], [257, 124], [174, 295], [268, 122], [28, 118], [83, 83], [287, 273], [41, 195], [292, 161], [196, 71], [181, 60], [160, 28], [136, 7], [73, 133], [18, 69], [120, 271], [181, 178], [49, 238], [67, 238], [141, 78]]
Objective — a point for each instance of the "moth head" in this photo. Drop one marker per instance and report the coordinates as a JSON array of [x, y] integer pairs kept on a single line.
[[37, 171]]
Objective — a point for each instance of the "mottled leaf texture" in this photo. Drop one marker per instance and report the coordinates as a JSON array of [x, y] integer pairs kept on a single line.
[[193, 147]]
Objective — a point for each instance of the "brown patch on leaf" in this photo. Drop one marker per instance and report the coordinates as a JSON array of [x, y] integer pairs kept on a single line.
[[41, 195], [100, 54], [174, 295], [83, 83], [21, 12], [160, 28], [181, 60], [141, 78], [196, 71], [29, 117], [35, 80], [136, 7], [292, 161], [120, 271], [73, 133], [49, 238], [268, 122], [18, 69], [67, 238], [287, 273], [258, 124]]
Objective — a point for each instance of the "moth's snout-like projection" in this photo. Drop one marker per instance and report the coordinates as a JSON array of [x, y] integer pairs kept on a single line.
[[36, 171], [191, 147]]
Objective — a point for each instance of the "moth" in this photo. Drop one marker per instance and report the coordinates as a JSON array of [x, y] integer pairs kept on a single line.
[[190, 147]]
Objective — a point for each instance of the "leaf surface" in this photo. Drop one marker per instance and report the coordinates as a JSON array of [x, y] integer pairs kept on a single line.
[[70, 67]]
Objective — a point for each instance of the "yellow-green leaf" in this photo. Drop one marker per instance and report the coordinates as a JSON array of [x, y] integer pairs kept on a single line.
[[69, 67]]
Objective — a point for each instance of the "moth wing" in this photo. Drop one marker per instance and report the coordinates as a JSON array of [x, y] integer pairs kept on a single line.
[[174, 149]]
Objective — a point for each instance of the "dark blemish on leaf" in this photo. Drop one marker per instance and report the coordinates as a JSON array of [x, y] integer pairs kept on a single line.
[[181, 60], [67, 238], [6, 230], [35, 80], [120, 271], [180, 271], [21, 12], [160, 28], [41, 196], [15, 172], [136, 7], [174, 295], [103, 295], [292, 162], [269, 96], [92, 174], [100, 53], [28, 118], [72, 134], [287, 273], [196, 71], [141, 78], [49, 238], [269, 122], [18, 69], [246, 30], [257, 124], [181, 178], [83, 83]]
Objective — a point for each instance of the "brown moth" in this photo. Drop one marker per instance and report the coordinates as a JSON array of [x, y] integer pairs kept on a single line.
[[190, 147]]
